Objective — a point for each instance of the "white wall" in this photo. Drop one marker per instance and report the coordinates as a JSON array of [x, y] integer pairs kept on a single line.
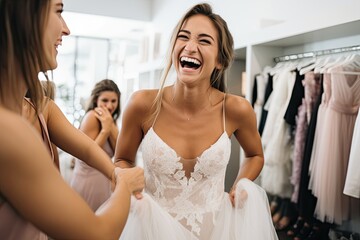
[[251, 22], [258, 21], [133, 9]]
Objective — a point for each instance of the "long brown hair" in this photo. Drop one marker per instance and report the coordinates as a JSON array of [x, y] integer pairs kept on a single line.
[[225, 54], [102, 86], [22, 57]]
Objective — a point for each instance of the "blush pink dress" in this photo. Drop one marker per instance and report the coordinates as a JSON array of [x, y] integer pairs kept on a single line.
[[333, 147], [92, 185], [12, 225]]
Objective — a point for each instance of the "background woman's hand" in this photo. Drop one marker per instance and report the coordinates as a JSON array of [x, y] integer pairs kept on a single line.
[[105, 118]]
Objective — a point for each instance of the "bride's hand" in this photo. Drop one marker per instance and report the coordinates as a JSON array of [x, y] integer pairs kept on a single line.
[[242, 197], [133, 178]]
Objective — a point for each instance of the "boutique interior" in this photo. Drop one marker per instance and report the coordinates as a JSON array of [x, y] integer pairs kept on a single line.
[[292, 59]]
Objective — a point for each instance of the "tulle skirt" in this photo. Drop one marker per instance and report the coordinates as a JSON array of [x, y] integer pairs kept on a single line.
[[249, 219], [275, 177], [329, 167]]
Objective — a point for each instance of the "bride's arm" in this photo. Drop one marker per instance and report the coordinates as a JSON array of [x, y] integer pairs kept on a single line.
[[132, 133], [242, 118]]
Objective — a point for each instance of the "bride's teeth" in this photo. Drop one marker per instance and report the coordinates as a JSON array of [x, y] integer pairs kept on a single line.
[[190, 60]]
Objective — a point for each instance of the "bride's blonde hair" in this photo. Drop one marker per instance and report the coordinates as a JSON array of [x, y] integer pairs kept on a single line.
[[225, 52]]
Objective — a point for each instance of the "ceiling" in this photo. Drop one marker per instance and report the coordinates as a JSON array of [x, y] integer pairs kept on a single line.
[[133, 9], [108, 18]]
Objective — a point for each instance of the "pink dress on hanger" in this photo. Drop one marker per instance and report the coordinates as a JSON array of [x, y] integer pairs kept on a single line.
[[319, 128], [333, 148], [311, 84]]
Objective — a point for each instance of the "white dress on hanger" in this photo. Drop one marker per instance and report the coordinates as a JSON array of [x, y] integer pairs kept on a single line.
[[261, 82], [178, 207], [275, 177], [352, 183]]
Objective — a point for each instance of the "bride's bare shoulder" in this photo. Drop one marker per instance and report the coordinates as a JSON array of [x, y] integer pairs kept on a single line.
[[142, 100]]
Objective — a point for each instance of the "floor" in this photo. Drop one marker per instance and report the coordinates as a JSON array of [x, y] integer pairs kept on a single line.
[[282, 235]]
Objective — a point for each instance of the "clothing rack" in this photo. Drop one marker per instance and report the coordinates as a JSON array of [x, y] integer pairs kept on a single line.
[[316, 53]]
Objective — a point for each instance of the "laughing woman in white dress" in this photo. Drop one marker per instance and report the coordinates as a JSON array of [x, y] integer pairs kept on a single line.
[[184, 130]]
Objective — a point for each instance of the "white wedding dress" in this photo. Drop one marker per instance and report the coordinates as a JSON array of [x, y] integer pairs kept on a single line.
[[175, 207]]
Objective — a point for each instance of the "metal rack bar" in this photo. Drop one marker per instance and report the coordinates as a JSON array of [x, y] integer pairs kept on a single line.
[[316, 53]]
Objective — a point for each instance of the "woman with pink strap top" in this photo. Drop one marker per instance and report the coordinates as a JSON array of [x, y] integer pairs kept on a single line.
[[35, 202]]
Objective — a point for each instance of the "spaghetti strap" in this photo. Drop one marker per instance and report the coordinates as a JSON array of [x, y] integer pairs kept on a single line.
[[152, 126], [224, 112], [29, 102], [44, 132], [157, 114], [46, 137]]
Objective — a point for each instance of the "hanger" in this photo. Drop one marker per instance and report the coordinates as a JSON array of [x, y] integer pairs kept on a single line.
[[321, 65], [351, 66], [351, 61], [310, 67], [266, 70], [281, 66], [305, 62], [277, 67], [331, 64]]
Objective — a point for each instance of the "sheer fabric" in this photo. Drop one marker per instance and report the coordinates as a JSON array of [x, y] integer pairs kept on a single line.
[[275, 177], [196, 207], [330, 163]]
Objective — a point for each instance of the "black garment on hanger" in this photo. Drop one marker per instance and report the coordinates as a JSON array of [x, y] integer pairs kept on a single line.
[[295, 101], [306, 200], [254, 92], [268, 90]]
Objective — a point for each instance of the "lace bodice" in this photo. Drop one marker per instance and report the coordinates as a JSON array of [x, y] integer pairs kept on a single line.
[[187, 199]]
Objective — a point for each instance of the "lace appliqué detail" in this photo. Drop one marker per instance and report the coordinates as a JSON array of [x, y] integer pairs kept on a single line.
[[186, 199]]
